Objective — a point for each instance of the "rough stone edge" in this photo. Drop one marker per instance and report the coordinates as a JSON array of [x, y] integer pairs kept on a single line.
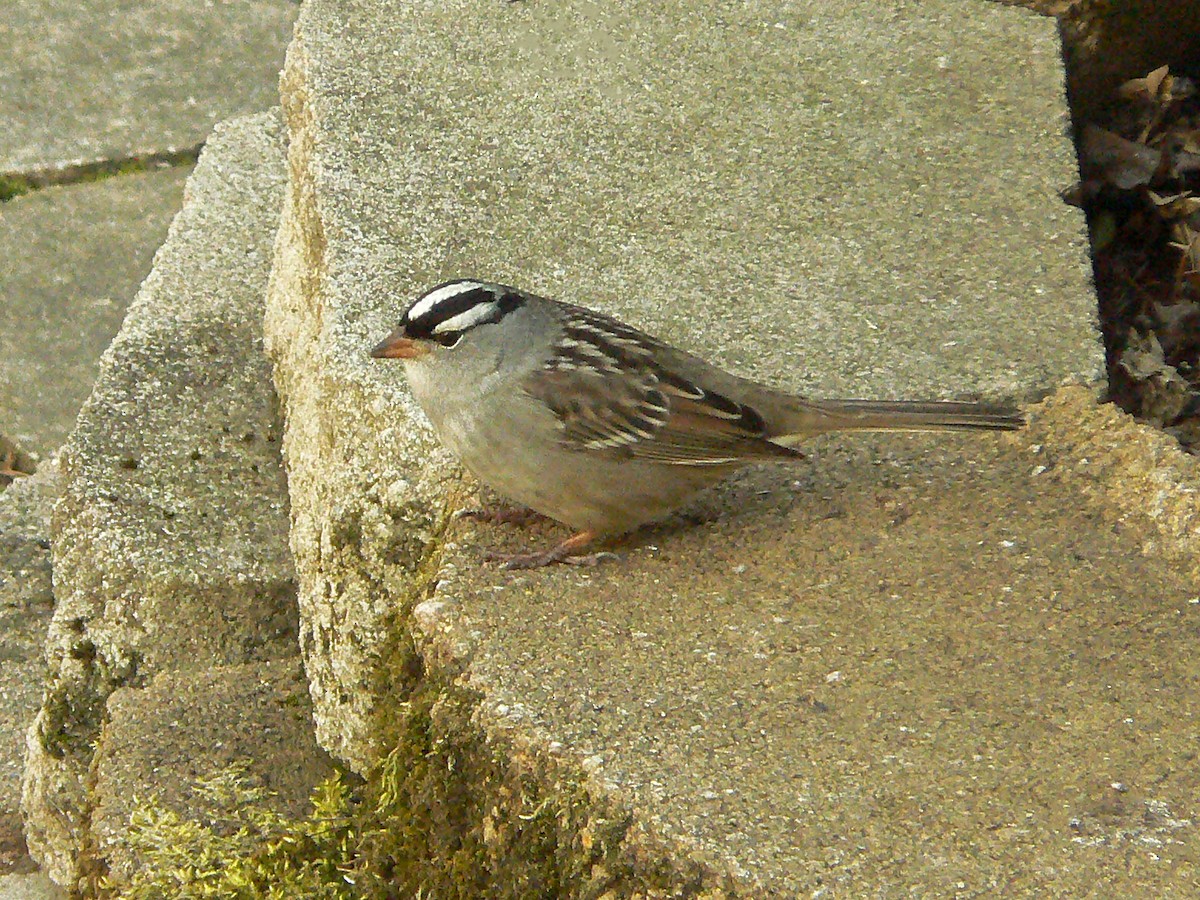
[[25, 512], [517, 815], [347, 573], [1118, 463], [355, 551]]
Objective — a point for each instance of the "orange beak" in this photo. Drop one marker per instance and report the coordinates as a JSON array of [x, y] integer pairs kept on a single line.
[[397, 346]]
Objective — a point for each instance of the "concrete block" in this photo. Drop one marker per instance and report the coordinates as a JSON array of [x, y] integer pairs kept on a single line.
[[887, 669], [721, 201], [170, 542], [111, 79]]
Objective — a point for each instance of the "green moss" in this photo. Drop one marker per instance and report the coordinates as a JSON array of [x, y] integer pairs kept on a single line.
[[263, 855], [444, 815], [71, 721], [14, 185], [447, 813], [74, 708]]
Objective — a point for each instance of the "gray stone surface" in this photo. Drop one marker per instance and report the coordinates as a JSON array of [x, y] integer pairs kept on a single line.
[[72, 260], [911, 667], [29, 887], [169, 544], [256, 717], [859, 675], [866, 236], [26, 604], [105, 79]]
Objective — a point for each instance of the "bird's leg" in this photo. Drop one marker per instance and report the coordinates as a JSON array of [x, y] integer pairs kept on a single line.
[[502, 515], [563, 553]]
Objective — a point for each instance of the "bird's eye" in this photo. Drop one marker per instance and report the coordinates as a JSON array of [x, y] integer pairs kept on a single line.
[[450, 339]]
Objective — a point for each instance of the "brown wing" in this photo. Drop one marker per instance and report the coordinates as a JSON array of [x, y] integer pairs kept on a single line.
[[610, 396]]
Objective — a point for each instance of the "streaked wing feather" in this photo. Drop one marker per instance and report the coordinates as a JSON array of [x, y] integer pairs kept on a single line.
[[610, 396]]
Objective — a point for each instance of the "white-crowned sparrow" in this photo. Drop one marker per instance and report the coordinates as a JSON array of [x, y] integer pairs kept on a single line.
[[593, 423]]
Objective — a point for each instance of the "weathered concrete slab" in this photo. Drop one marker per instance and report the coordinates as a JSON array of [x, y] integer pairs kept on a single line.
[[750, 202], [71, 260], [26, 604], [105, 79], [170, 548], [843, 199], [256, 717], [909, 667]]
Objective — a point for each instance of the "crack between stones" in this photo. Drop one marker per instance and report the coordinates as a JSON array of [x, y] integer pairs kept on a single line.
[[16, 183]]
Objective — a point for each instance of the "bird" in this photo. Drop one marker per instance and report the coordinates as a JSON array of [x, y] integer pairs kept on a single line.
[[600, 426]]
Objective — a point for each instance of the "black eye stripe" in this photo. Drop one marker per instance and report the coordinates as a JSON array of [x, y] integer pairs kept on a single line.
[[448, 309], [503, 299]]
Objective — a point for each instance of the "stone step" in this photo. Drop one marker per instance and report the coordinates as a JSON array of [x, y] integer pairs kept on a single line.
[[174, 587], [909, 664]]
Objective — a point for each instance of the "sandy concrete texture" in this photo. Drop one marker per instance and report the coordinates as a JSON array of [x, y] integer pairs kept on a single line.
[[71, 260], [734, 189], [26, 604], [846, 199], [908, 667], [29, 887], [110, 79], [169, 543]]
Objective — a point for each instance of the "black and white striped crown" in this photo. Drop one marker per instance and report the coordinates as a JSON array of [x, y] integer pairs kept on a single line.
[[445, 312]]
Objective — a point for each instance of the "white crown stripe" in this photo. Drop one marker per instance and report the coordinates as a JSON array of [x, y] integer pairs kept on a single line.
[[467, 319], [439, 295]]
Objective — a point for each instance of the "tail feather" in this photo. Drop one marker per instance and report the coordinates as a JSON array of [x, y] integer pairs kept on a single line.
[[818, 416]]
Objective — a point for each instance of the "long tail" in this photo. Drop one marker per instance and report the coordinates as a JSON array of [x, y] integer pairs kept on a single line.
[[818, 416]]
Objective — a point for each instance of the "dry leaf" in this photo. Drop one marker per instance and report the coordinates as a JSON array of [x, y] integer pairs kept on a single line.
[[1182, 162], [1178, 320], [1165, 393], [1185, 240], [1176, 206], [1123, 164], [1149, 88]]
